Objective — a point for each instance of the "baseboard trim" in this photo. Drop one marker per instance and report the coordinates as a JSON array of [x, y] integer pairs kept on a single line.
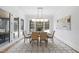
[[66, 44]]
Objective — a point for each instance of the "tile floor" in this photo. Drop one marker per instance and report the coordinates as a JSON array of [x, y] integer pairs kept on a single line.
[[55, 46]]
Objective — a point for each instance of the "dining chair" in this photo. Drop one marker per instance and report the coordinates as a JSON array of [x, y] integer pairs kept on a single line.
[[35, 37], [24, 34], [43, 37], [52, 36]]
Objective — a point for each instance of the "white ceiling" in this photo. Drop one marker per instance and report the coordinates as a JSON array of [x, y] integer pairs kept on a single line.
[[32, 10]]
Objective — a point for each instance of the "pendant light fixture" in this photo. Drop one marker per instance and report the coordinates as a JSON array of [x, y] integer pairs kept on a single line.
[[40, 12]]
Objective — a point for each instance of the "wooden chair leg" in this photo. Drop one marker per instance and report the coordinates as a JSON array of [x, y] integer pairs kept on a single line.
[[46, 42], [37, 42], [40, 42], [24, 40], [32, 42]]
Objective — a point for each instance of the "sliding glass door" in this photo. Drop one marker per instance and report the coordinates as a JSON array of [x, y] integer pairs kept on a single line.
[[4, 30]]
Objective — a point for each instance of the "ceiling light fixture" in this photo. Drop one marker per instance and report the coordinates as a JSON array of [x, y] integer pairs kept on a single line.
[[40, 16], [39, 12]]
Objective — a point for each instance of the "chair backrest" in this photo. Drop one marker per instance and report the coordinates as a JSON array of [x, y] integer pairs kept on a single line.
[[24, 33], [53, 34], [35, 35], [43, 35]]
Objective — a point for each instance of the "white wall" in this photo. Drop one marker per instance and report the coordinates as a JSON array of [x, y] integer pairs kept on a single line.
[[70, 37]]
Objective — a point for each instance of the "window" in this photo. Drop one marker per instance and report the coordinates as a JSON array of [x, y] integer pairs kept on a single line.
[[47, 25], [16, 27], [4, 24], [4, 30], [15, 24], [39, 25]]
